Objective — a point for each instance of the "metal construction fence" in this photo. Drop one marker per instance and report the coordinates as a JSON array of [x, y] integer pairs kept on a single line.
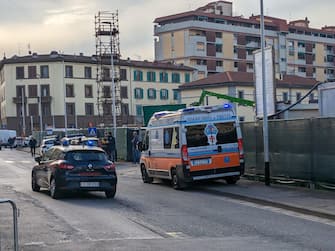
[[302, 149]]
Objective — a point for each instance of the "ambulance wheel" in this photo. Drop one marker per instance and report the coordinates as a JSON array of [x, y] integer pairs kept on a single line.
[[175, 180], [145, 175], [232, 180]]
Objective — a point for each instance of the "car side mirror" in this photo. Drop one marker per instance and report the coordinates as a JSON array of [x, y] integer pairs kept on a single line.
[[38, 159]]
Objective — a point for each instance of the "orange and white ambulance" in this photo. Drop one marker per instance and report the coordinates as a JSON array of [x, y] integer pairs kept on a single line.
[[195, 143]]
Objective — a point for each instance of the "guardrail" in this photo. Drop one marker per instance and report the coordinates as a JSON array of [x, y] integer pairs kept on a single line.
[[15, 215]]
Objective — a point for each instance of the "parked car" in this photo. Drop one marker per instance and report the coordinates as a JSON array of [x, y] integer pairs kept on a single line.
[[74, 168], [21, 141], [46, 144]]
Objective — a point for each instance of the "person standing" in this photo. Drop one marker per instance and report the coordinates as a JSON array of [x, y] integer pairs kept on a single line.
[[111, 147], [135, 150], [32, 144]]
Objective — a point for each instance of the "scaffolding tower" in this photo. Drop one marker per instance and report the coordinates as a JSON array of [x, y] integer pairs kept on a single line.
[[108, 67]]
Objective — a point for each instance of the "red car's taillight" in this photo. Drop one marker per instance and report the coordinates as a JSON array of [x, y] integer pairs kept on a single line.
[[110, 167], [65, 166]]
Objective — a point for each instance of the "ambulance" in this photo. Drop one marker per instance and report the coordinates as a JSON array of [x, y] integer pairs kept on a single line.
[[192, 144]]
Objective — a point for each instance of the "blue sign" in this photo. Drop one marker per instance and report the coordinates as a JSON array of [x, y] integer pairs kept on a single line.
[[92, 131]]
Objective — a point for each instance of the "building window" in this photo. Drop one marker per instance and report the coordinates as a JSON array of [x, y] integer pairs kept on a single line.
[[19, 72], [200, 46], [69, 90], [44, 70], [33, 109], [241, 94], [235, 64], [89, 109], [219, 63], [311, 98], [164, 94], [68, 71], [187, 77], [139, 110], [151, 93], [138, 93], [32, 91], [106, 74], [218, 48], [106, 90], [125, 109], [175, 77], [175, 95], [301, 56], [151, 76], [46, 109], [45, 90], [301, 44], [124, 91], [106, 109], [285, 97], [88, 72], [163, 77], [298, 95], [32, 71], [218, 34], [70, 109], [138, 75], [88, 91], [301, 69], [123, 74]]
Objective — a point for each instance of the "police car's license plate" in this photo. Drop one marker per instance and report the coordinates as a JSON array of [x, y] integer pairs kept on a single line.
[[198, 162], [89, 184]]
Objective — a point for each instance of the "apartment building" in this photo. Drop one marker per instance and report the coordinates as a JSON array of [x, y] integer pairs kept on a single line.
[[241, 85], [212, 40], [37, 90]]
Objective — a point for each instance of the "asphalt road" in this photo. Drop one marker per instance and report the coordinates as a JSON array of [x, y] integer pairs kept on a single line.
[[148, 217]]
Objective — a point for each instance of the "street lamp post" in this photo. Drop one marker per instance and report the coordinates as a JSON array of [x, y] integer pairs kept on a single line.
[[23, 113], [40, 104], [265, 114]]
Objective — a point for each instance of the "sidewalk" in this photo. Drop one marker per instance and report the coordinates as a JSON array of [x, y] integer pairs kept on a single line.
[[319, 203]]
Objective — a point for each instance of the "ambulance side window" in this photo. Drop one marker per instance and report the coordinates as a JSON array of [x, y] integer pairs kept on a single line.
[[167, 134], [145, 145]]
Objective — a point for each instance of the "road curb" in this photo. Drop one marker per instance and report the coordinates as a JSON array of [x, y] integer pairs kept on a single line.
[[265, 202]]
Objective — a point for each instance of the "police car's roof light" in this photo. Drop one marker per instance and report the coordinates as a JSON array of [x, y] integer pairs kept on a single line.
[[90, 143], [227, 106], [66, 143]]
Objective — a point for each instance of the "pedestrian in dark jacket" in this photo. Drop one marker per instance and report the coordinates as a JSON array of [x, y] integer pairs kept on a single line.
[[32, 145], [111, 147]]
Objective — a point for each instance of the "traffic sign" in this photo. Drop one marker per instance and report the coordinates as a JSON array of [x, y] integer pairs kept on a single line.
[[92, 131]]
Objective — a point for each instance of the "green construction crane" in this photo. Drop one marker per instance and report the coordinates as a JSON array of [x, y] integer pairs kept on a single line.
[[239, 101]]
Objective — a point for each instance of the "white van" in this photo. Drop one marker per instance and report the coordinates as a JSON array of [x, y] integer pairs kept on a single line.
[[191, 144]]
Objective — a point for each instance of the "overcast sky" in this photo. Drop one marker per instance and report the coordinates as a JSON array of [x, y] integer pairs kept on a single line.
[[68, 25]]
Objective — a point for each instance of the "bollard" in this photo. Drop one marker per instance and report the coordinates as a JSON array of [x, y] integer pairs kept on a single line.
[[15, 214]]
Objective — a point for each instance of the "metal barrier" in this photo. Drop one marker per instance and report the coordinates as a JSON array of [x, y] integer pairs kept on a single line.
[[15, 215]]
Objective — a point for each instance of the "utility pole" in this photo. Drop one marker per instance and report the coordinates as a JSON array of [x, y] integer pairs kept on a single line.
[[265, 114]]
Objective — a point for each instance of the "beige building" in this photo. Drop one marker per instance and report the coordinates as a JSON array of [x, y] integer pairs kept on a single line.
[[241, 85], [212, 40], [53, 84]]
